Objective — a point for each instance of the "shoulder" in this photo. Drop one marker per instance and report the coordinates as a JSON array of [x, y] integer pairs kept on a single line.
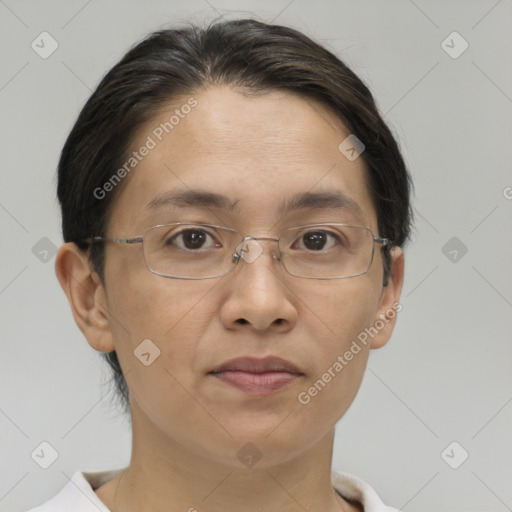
[[78, 494], [353, 488]]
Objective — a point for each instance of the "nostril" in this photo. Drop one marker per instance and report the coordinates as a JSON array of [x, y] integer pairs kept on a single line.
[[242, 321]]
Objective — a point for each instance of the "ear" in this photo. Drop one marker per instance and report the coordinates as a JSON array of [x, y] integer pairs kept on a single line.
[[389, 304], [86, 296]]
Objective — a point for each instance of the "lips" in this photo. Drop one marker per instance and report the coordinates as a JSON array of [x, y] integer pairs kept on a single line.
[[255, 365], [258, 377]]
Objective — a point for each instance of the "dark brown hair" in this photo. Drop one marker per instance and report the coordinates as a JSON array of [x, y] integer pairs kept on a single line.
[[253, 56]]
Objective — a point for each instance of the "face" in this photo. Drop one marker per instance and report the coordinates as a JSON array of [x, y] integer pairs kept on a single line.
[[258, 152]]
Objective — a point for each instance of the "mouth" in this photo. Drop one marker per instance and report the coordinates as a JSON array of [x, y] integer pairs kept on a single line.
[[257, 376]]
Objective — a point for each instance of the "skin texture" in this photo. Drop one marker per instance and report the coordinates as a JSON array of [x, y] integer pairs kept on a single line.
[[187, 425]]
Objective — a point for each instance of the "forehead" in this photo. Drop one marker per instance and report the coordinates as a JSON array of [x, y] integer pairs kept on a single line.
[[248, 158]]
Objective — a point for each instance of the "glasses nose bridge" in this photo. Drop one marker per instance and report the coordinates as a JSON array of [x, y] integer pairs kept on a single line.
[[261, 238], [250, 252]]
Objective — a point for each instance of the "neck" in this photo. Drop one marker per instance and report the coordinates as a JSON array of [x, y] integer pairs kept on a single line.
[[178, 477]]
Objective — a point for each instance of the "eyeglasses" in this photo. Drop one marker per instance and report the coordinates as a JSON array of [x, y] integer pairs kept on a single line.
[[205, 251]]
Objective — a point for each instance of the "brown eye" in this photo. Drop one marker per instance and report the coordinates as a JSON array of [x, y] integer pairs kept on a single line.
[[189, 239], [314, 240], [317, 240]]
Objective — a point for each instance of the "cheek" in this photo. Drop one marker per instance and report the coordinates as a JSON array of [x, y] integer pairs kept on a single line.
[[336, 311], [173, 314], [336, 323], [157, 329], [146, 305], [339, 369], [327, 396]]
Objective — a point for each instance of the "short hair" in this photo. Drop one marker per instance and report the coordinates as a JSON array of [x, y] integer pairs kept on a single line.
[[246, 54]]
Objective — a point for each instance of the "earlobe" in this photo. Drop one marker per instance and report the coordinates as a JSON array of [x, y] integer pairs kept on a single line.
[[86, 296], [389, 304]]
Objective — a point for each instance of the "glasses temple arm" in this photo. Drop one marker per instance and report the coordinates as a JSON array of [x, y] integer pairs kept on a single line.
[[136, 240]]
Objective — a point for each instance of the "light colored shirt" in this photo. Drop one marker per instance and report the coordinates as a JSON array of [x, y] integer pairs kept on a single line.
[[78, 494]]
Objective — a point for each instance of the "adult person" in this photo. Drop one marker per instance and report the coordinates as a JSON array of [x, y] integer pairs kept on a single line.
[[234, 210]]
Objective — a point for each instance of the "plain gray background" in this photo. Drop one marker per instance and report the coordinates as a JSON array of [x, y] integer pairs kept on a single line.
[[446, 374]]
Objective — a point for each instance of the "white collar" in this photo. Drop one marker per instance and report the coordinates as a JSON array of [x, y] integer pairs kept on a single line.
[[78, 494]]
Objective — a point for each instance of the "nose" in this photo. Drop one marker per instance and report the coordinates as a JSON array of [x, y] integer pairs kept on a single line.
[[257, 296]]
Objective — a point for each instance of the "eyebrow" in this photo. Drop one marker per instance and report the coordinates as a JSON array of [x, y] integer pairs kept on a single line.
[[301, 201]]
